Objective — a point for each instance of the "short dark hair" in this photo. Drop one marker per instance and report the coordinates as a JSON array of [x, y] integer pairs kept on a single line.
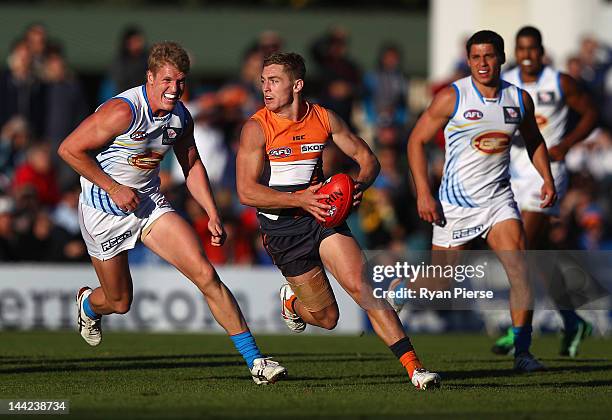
[[487, 37], [531, 32], [293, 64]]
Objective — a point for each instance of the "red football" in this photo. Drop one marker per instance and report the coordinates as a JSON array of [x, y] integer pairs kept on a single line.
[[340, 188]]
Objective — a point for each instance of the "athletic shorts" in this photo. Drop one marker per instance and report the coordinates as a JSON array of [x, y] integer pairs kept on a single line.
[[294, 247], [106, 235], [527, 183], [463, 224]]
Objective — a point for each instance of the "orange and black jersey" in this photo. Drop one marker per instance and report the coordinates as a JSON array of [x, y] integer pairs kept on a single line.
[[294, 149]]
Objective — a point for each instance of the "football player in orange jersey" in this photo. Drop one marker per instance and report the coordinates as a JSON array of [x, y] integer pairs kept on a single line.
[[280, 154]]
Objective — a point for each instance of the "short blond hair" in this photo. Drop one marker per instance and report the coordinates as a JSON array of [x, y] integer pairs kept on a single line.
[[168, 52]]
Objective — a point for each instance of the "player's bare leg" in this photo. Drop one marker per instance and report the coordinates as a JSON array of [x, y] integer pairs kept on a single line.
[[113, 296], [507, 240], [313, 299], [342, 256], [440, 257], [174, 240], [537, 226]]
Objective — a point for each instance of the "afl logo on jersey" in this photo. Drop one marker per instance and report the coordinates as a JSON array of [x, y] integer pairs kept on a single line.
[[146, 161], [280, 152], [472, 114], [138, 135], [491, 142]]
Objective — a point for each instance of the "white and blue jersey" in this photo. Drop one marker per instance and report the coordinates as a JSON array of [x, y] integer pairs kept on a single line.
[[478, 137], [133, 158], [550, 108], [551, 113]]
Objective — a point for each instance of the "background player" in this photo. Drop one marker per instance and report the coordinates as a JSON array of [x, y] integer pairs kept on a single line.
[[120, 202], [279, 169], [553, 94], [480, 113]]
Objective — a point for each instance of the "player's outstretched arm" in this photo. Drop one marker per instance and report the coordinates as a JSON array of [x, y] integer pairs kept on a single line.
[[95, 132], [249, 167], [580, 102], [538, 153], [198, 184], [358, 150], [433, 119]]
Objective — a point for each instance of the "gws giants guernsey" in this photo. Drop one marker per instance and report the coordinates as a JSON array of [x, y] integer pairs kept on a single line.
[[550, 108], [478, 138], [133, 158], [294, 148]]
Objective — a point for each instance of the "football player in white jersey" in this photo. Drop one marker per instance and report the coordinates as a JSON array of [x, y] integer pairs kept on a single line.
[[121, 203], [553, 93], [479, 115]]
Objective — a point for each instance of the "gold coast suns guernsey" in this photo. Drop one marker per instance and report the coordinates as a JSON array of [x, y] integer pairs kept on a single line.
[[477, 139], [294, 150], [133, 158], [551, 111]]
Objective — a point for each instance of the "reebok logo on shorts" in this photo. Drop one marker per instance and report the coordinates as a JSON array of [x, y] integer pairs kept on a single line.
[[471, 231], [111, 243]]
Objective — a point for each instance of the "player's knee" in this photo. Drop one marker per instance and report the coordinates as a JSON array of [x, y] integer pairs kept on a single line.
[[206, 277], [121, 306], [356, 290], [328, 318]]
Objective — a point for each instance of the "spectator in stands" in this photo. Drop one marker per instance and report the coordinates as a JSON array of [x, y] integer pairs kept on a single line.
[[386, 89], [130, 65], [14, 139], [66, 108], [21, 93], [341, 75], [7, 234], [38, 172], [36, 38]]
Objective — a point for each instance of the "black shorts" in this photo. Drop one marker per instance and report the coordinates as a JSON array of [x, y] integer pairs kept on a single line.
[[294, 244]]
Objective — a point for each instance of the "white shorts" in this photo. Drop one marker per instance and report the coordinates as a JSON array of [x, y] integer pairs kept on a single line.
[[106, 235], [464, 224], [527, 183]]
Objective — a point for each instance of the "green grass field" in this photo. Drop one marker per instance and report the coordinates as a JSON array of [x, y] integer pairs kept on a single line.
[[196, 376]]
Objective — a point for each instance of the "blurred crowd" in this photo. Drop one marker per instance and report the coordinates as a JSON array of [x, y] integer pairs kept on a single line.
[[42, 100]]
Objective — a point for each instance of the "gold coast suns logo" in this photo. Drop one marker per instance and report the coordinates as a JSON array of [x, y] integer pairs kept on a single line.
[[491, 142], [148, 160]]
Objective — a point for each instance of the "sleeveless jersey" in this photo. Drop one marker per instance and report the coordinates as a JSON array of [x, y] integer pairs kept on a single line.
[[294, 148], [550, 108], [294, 151], [133, 158], [478, 137]]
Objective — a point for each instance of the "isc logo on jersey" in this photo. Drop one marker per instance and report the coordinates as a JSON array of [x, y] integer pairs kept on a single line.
[[472, 114], [491, 142], [312, 148]]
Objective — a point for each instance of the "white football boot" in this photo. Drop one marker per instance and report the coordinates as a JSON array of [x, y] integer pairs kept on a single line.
[[424, 379], [294, 322], [267, 371], [90, 329], [526, 363]]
